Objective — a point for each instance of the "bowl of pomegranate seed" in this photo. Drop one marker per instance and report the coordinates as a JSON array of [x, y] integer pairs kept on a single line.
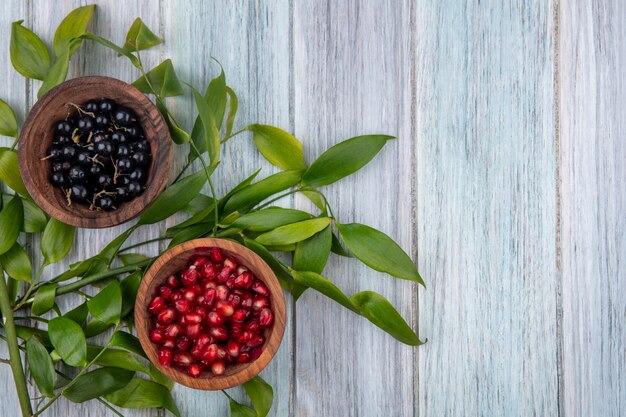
[[210, 314]]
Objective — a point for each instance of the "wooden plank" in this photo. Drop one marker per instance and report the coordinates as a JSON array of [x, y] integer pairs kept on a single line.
[[250, 40], [593, 225], [351, 77], [13, 91], [486, 207]]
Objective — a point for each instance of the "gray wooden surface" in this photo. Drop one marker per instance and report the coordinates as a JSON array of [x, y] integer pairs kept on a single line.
[[506, 184]]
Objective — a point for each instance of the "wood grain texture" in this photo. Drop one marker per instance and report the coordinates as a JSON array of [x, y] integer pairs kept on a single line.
[[486, 208], [352, 77], [593, 213], [175, 260], [525, 309]]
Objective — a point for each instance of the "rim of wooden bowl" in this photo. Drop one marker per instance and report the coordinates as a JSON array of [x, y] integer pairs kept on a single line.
[[38, 132], [177, 259]]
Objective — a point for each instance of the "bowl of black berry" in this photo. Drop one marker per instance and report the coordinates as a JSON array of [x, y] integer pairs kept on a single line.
[[94, 152]]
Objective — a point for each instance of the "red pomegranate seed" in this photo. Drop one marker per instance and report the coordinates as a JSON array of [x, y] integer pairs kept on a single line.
[[165, 292], [221, 353], [244, 280], [172, 282], [232, 349], [193, 318], [245, 337], [215, 319], [223, 275], [167, 316], [241, 269], [253, 326], [193, 330], [202, 311], [156, 305], [172, 331], [208, 284], [230, 264], [183, 343], [266, 318], [222, 292], [189, 277], [255, 341], [177, 296], [239, 315], [255, 353], [182, 358], [219, 333], [169, 343], [210, 353], [260, 302], [198, 261], [196, 352], [216, 255], [165, 356], [194, 370], [246, 300], [236, 328], [208, 270], [218, 367], [204, 340], [243, 357], [190, 294], [182, 306], [260, 288], [234, 299], [224, 308], [209, 297], [157, 336]]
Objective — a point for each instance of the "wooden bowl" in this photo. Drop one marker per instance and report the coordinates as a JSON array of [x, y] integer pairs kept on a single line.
[[177, 259], [38, 132]]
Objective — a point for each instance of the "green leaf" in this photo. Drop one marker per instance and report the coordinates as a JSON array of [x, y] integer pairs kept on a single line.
[[261, 394], [213, 108], [337, 247], [210, 138], [108, 253], [133, 59], [295, 232], [179, 136], [115, 358], [324, 286], [248, 197], [56, 241], [128, 342], [315, 198], [8, 122], [199, 203], [243, 184], [41, 366], [78, 313], [140, 393], [29, 55], [139, 37], [44, 299], [163, 80], [232, 110], [240, 410], [312, 254], [343, 159], [35, 219], [84, 268], [159, 377], [16, 263], [129, 287], [10, 172], [204, 216], [378, 251], [379, 311], [72, 26], [58, 72], [191, 232], [106, 306], [97, 383], [131, 258], [285, 279], [11, 218], [269, 218], [174, 198], [68, 340], [278, 147]]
